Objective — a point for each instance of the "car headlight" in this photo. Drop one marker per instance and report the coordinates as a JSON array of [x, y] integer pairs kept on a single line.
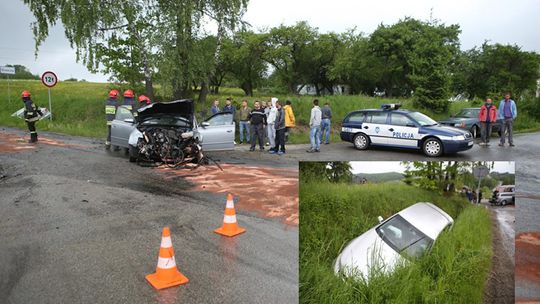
[[459, 137]]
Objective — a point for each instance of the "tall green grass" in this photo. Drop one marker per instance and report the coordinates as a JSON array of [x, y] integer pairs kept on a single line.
[[331, 215], [78, 107]]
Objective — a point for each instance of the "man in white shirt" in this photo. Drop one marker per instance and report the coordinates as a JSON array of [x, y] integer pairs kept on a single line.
[[315, 127]]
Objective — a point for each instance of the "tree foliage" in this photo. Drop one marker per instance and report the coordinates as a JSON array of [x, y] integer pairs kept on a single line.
[[335, 172]]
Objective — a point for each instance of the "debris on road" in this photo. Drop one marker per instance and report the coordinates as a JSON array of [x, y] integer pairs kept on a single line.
[[269, 191]]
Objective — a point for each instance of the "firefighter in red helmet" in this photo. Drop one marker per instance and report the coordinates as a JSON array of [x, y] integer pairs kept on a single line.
[[144, 100], [110, 110], [32, 114], [129, 100]]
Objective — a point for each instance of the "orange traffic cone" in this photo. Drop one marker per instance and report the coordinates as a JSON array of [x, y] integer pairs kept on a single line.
[[166, 275], [230, 226]]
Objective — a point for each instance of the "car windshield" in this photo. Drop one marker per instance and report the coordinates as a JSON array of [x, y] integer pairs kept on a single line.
[[404, 237], [422, 119], [176, 121], [468, 113]]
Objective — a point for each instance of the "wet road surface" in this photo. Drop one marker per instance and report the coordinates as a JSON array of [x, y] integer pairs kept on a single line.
[[82, 225]]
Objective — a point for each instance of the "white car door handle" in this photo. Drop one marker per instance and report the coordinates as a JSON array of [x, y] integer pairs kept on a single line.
[[229, 131]]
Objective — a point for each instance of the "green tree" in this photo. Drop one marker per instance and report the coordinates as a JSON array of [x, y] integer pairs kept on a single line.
[[243, 57], [492, 70], [356, 65], [415, 55], [22, 72], [287, 51]]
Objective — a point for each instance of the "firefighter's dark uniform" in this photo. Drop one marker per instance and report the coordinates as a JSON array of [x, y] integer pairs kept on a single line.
[[110, 111], [31, 115]]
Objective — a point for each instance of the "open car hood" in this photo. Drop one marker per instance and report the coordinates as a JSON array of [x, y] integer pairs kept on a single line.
[[183, 107]]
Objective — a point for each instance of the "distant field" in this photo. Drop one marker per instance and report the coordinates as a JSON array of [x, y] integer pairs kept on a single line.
[[78, 107], [331, 215]]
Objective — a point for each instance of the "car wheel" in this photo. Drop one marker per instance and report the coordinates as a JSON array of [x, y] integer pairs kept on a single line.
[[432, 147], [133, 154], [475, 131], [503, 203], [361, 141]]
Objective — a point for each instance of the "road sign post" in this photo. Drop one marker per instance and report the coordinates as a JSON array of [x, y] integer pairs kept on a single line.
[[49, 79], [480, 172], [8, 71]]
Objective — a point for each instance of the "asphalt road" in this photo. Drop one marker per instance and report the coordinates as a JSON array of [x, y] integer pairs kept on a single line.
[[81, 225], [527, 148]]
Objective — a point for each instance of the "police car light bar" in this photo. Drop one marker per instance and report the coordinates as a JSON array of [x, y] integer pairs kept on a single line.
[[391, 106]]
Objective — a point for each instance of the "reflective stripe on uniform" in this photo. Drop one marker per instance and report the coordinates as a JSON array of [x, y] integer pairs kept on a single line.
[[109, 123], [166, 263], [110, 110], [129, 107], [32, 119], [33, 132]]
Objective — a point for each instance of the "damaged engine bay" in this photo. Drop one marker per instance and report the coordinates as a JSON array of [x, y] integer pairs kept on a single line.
[[173, 147]]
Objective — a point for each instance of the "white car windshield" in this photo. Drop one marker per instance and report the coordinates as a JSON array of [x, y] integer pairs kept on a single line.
[[422, 119], [404, 237], [468, 113], [167, 121]]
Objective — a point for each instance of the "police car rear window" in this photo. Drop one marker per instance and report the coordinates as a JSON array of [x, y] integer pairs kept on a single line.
[[357, 117], [377, 117]]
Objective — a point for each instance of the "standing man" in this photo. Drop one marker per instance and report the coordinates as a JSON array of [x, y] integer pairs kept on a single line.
[[325, 123], [257, 119], [110, 111], [290, 121], [229, 107], [243, 117], [215, 107], [31, 115], [507, 112], [129, 100], [487, 116], [270, 120], [315, 127], [280, 130]]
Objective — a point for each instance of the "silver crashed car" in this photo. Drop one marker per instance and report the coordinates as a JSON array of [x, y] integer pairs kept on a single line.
[[409, 233], [167, 120]]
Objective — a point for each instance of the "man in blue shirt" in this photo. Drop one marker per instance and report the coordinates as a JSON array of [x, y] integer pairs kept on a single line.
[[507, 112]]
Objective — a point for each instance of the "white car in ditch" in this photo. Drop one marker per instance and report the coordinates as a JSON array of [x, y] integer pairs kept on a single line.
[[409, 233]]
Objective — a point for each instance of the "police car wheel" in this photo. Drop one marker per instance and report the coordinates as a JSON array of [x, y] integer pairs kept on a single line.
[[432, 147], [361, 141]]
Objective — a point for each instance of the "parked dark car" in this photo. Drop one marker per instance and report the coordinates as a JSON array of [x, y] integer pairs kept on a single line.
[[467, 119]]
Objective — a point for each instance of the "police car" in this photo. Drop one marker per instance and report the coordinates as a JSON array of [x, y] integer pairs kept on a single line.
[[390, 126]]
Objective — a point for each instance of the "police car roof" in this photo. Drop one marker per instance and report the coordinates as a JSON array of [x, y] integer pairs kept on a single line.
[[403, 111]]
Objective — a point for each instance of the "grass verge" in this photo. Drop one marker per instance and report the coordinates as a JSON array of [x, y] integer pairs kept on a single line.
[[331, 215], [78, 108]]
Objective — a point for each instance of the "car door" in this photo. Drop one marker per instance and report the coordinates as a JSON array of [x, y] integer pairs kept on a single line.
[[374, 127], [403, 130], [217, 132], [122, 126]]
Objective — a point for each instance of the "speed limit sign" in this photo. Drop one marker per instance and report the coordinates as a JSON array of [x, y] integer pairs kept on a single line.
[[49, 79]]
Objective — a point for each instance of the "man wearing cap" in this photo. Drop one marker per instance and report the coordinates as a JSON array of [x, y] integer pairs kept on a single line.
[[110, 111], [31, 115], [508, 112]]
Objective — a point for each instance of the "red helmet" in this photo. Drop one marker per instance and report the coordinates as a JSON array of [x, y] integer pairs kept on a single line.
[[128, 93], [143, 98], [113, 93], [25, 94]]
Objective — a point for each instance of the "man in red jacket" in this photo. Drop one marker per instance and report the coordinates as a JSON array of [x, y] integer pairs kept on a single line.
[[487, 116]]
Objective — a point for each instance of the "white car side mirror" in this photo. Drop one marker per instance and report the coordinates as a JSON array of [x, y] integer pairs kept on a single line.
[[205, 124], [380, 218]]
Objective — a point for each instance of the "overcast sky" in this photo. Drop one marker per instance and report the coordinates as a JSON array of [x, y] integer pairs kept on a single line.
[[395, 166], [502, 21]]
